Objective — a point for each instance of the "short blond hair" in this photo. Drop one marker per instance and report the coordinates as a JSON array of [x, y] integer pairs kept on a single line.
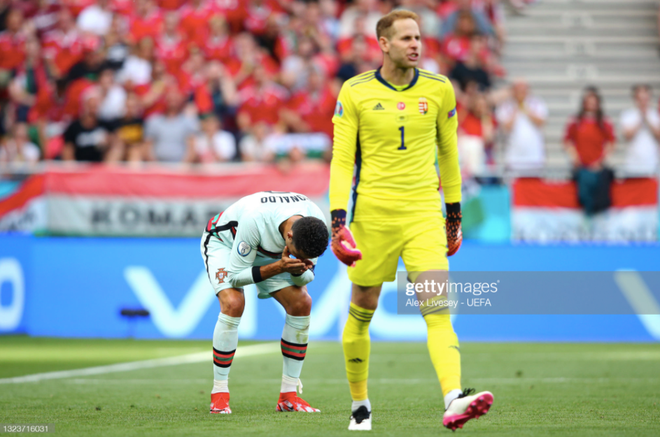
[[384, 26]]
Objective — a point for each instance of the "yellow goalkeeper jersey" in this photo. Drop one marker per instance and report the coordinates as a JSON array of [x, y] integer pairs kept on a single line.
[[385, 140]]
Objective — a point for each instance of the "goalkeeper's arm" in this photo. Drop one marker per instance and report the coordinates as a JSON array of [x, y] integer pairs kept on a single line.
[[341, 176], [450, 171]]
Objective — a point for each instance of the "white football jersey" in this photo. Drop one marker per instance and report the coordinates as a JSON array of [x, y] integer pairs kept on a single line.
[[251, 226]]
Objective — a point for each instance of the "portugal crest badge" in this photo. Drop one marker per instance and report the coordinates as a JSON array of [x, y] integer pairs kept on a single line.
[[220, 275]]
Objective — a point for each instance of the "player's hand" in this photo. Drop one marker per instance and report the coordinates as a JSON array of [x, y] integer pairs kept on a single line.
[[453, 226], [344, 247], [290, 265], [343, 244]]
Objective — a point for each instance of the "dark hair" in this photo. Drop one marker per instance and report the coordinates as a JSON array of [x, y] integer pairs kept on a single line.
[[592, 90], [310, 236], [637, 87]]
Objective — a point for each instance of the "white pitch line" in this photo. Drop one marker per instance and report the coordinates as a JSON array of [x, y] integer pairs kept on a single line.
[[199, 357]]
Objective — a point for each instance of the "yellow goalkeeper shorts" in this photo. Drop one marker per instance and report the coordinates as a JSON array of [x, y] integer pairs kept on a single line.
[[418, 237]]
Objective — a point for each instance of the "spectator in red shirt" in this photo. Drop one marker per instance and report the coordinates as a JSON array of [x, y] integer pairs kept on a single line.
[[360, 31], [355, 62], [232, 11], [589, 137], [260, 102], [171, 45], [456, 45], [217, 95], [12, 42], [170, 5], [219, 44], [247, 56], [76, 6], [63, 47], [192, 72], [152, 94], [257, 13], [195, 18], [147, 21], [30, 78], [123, 7], [51, 118], [46, 17], [476, 133], [311, 109]]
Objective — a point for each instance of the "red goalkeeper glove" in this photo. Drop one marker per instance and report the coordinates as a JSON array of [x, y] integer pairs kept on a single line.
[[453, 226], [343, 243]]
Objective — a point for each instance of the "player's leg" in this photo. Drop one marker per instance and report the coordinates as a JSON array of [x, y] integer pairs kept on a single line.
[[357, 349], [425, 258], [225, 340], [298, 306], [442, 341], [225, 334], [380, 246]]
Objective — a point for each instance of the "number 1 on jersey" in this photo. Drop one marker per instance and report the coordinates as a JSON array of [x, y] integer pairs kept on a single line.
[[403, 144]]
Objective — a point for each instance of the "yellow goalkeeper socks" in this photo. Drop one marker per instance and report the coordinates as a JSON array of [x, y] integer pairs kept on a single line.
[[357, 346], [443, 348]]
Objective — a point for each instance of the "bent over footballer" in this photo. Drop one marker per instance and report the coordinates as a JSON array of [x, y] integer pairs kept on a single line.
[[252, 242], [389, 126]]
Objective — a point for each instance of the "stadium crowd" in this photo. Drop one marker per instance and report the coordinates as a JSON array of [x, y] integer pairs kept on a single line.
[[256, 80], [212, 80]]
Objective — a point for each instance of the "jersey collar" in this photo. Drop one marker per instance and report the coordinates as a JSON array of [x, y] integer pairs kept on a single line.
[[387, 84]]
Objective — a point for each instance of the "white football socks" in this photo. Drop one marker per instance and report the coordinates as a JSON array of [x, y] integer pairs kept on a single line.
[[451, 396], [294, 349], [225, 340], [358, 404]]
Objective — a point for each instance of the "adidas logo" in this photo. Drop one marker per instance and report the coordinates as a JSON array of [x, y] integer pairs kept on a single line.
[[357, 360], [379, 107]]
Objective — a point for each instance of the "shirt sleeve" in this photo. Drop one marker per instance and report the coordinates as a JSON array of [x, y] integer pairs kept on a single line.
[[609, 131], [191, 124], [569, 134], [150, 129], [306, 277], [503, 113], [483, 23], [447, 124], [629, 119], [654, 119], [227, 147], [541, 109], [243, 253], [343, 149]]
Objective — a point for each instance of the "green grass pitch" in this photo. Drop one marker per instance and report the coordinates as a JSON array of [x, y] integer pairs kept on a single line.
[[540, 389]]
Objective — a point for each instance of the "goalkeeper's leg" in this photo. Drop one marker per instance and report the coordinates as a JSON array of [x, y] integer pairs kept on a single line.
[[460, 405], [357, 346]]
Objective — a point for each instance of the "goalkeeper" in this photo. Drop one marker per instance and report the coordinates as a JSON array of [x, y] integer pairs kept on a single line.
[[388, 125]]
